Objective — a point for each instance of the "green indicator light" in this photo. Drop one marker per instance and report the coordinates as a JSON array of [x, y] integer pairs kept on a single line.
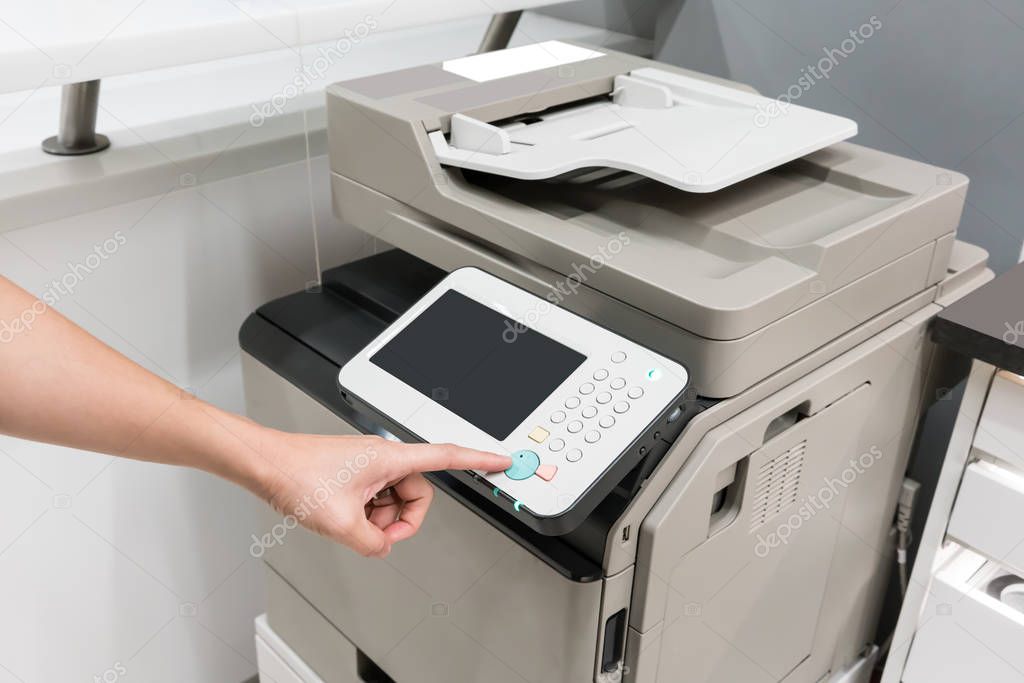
[[497, 492], [654, 374], [516, 506]]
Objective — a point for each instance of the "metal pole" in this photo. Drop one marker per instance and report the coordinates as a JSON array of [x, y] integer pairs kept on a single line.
[[77, 134], [499, 31]]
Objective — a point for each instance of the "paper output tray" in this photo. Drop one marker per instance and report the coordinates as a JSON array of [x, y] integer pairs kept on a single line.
[[688, 133]]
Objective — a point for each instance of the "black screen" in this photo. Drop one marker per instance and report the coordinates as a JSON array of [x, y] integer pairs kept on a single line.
[[477, 363]]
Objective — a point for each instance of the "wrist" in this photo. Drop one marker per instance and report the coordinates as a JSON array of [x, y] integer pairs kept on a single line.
[[239, 450]]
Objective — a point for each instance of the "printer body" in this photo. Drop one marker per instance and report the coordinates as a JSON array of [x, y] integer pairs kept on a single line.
[[795, 285]]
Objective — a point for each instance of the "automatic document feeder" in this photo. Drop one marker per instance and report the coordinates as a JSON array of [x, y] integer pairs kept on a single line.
[[790, 274]]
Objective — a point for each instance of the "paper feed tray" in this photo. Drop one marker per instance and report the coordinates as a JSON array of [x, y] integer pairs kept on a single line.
[[685, 132]]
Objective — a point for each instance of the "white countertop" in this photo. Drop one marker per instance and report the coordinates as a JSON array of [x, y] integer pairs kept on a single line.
[[52, 42]]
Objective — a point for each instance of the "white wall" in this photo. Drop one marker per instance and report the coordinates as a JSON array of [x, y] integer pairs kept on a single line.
[[106, 561]]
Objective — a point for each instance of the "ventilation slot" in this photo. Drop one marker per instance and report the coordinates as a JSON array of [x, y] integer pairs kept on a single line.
[[777, 485]]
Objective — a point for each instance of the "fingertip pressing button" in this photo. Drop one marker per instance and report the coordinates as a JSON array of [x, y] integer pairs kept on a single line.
[[588, 412], [524, 464], [555, 445], [620, 407], [592, 436], [603, 397], [574, 455], [586, 388], [618, 356], [558, 417], [635, 392], [574, 427], [546, 472], [618, 383]]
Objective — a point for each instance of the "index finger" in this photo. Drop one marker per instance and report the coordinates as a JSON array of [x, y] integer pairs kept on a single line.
[[446, 456]]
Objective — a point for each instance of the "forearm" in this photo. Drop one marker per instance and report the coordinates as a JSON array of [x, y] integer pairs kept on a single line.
[[63, 386], [60, 385]]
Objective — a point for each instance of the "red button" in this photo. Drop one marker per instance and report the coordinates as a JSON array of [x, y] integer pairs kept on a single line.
[[546, 472]]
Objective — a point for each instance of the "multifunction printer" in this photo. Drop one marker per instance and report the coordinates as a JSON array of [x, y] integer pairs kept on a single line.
[[696, 319]]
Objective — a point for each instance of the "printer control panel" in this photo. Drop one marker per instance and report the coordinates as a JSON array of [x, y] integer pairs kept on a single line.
[[593, 410], [484, 364]]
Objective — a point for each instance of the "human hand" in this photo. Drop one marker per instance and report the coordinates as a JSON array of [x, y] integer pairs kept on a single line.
[[363, 491]]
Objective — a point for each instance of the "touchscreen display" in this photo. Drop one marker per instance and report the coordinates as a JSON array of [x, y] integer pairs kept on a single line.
[[477, 363]]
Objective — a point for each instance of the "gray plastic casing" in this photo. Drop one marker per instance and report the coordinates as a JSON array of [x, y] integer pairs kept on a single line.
[[737, 283], [801, 296], [705, 603]]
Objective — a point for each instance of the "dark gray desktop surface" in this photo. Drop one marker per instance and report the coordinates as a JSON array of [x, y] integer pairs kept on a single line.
[[988, 323]]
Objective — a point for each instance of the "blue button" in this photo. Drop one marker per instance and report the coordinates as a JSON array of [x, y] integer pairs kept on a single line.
[[524, 464]]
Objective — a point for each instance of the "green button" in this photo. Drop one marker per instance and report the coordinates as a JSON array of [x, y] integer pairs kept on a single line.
[[524, 464]]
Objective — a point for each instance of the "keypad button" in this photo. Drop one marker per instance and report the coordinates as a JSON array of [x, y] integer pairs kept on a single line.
[[606, 421], [574, 455], [558, 417], [574, 427], [618, 383], [621, 407], [572, 402], [603, 397], [600, 375], [635, 392], [586, 388], [618, 356], [592, 436], [556, 445], [588, 412]]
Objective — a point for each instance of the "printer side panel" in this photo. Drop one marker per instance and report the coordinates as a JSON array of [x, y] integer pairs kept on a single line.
[[458, 602], [781, 577]]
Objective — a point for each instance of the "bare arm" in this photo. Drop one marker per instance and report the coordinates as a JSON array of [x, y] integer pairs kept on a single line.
[[61, 385]]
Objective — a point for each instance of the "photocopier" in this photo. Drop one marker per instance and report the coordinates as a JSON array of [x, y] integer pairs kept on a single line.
[[712, 367]]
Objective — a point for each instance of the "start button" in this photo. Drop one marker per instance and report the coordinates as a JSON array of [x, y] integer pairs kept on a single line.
[[524, 464]]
